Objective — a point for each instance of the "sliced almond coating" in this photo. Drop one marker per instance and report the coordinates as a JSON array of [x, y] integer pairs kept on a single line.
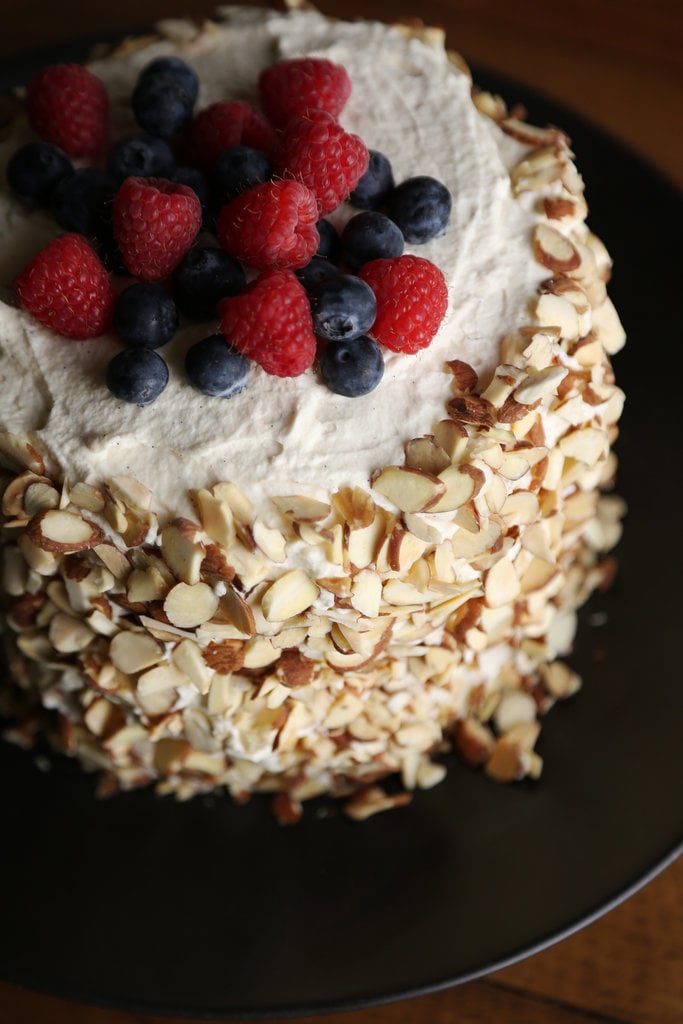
[[116, 562], [465, 375], [520, 508], [190, 605], [363, 545], [14, 571], [187, 658], [13, 498], [102, 716], [238, 612], [270, 541], [373, 800], [290, 595], [558, 311], [424, 453], [355, 507], [159, 679], [68, 635], [366, 593], [87, 497], [554, 250], [216, 517], [506, 763], [301, 508], [59, 531], [18, 453], [404, 549], [41, 561], [588, 445], [39, 496], [489, 104], [145, 585], [560, 680], [132, 652], [472, 409], [514, 707], [452, 437], [182, 552], [422, 528], [501, 585], [531, 135], [459, 487], [473, 741], [539, 385], [410, 490], [468, 544], [130, 492], [344, 710]]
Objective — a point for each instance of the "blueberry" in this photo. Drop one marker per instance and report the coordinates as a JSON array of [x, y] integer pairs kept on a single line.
[[421, 207], [330, 243], [176, 68], [203, 278], [238, 169], [145, 316], [137, 375], [215, 368], [375, 185], [194, 179], [35, 170], [162, 105], [82, 201], [352, 368], [343, 308], [316, 272], [141, 155], [370, 236]]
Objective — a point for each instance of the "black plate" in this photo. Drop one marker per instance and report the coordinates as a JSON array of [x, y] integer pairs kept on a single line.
[[208, 910]]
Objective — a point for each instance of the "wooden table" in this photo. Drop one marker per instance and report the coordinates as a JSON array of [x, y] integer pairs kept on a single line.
[[619, 63]]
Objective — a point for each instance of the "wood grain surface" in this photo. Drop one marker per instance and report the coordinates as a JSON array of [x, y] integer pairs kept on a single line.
[[618, 62]]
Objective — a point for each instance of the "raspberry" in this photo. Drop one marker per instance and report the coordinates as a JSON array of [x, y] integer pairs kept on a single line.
[[271, 226], [270, 322], [68, 105], [411, 298], [317, 151], [155, 223], [295, 87], [225, 125], [67, 289]]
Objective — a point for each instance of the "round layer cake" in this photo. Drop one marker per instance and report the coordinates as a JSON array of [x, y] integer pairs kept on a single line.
[[290, 590]]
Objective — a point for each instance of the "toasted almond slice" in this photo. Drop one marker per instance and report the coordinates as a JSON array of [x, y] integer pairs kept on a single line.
[[373, 800], [558, 311], [159, 679], [145, 585], [182, 551], [465, 375], [189, 605], [59, 531], [531, 135], [270, 541], [404, 549], [41, 561], [424, 453], [554, 250], [132, 652], [216, 517], [354, 506], [130, 492], [519, 508], [452, 437], [560, 680], [501, 585], [290, 595], [39, 496], [366, 593], [301, 508], [473, 741], [87, 497], [410, 490], [14, 496], [68, 634], [459, 487], [19, 453], [514, 707], [588, 445]]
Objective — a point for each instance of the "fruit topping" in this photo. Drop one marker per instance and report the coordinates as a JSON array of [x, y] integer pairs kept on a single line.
[[352, 368], [216, 368], [316, 273], [421, 207], [412, 298], [137, 375], [202, 278], [238, 169], [318, 152], [67, 288], [293, 88], [81, 201], [330, 243], [370, 236], [343, 307], [224, 125], [270, 226], [270, 322], [35, 170], [164, 96], [145, 316], [155, 223], [140, 156], [375, 185], [68, 105]]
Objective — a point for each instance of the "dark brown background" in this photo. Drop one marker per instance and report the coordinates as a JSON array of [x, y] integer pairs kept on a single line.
[[618, 62]]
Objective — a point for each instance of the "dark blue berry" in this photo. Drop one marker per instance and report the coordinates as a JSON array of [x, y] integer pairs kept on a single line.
[[238, 169], [173, 67], [215, 368], [162, 105], [82, 201], [316, 272], [137, 375], [143, 156], [375, 185], [330, 243], [421, 207], [203, 278], [194, 179], [35, 170], [343, 308], [352, 368], [145, 316], [370, 236]]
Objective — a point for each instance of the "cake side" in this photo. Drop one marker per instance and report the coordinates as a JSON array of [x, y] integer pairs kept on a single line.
[[325, 637]]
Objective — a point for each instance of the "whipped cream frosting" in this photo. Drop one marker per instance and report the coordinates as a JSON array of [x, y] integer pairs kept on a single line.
[[285, 436]]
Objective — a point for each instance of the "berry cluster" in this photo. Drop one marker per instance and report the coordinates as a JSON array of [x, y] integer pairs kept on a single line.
[[196, 203]]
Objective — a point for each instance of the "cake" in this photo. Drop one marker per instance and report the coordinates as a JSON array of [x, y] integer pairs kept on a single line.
[[292, 591]]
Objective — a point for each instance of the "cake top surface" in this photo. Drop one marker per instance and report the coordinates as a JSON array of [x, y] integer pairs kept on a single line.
[[287, 436]]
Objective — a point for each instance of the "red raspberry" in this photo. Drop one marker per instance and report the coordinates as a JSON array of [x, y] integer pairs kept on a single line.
[[270, 322], [317, 151], [412, 298], [155, 223], [271, 226], [295, 87], [67, 288], [224, 125], [68, 106]]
